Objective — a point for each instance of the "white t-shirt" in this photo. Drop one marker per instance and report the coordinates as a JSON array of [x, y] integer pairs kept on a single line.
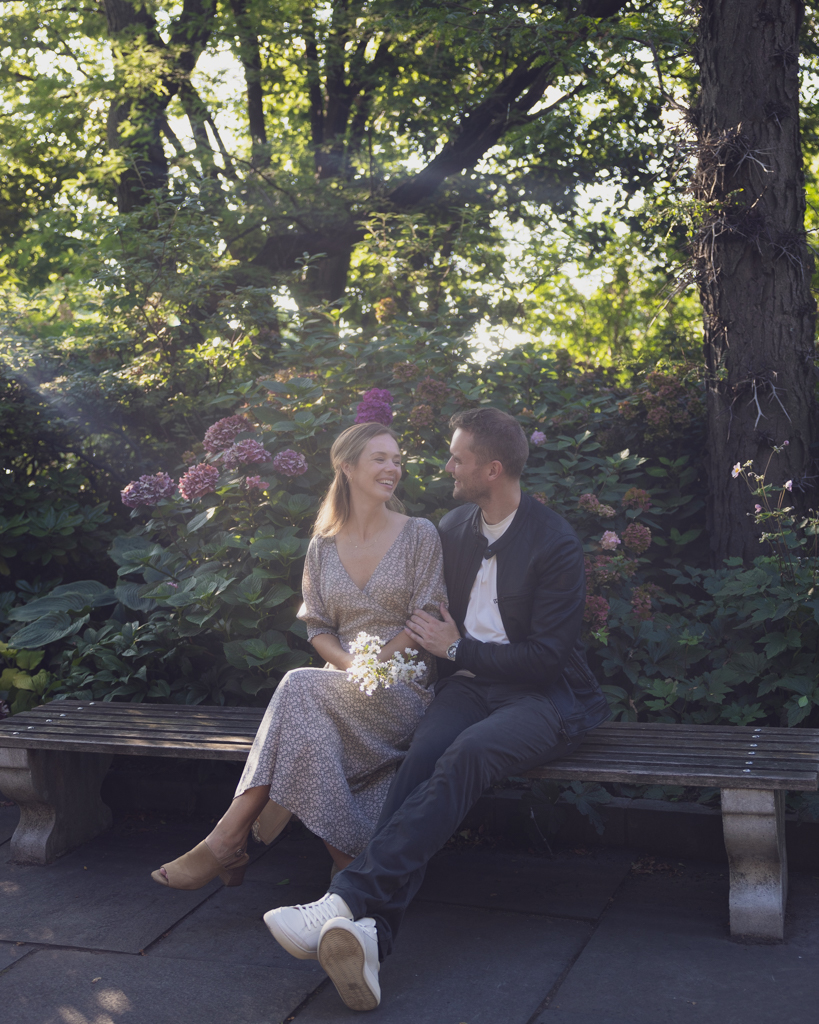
[[483, 619]]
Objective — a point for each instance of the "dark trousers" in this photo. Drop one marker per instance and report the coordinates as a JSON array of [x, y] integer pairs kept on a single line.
[[475, 733]]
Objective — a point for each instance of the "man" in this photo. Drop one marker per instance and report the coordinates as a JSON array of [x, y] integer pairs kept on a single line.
[[514, 692]]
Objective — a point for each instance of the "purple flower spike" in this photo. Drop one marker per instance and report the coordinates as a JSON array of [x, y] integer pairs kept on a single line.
[[375, 407], [244, 452], [224, 432], [290, 463], [198, 481], [255, 483], [148, 490]]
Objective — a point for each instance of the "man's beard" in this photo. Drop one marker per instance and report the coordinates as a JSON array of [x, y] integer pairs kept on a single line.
[[464, 492]]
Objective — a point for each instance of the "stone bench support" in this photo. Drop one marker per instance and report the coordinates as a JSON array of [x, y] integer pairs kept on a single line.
[[59, 797], [753, 823]]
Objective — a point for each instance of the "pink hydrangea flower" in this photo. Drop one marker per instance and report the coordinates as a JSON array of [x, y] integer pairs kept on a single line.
[[224, 432], [148, 490], [637, 537], [636, 497], [538, 437], [596, 612], [255, 483], [244, 452], [641, 601], [609, 541], [422, 416], [290, 463], [198, 481], [588, 502], [375, 407]]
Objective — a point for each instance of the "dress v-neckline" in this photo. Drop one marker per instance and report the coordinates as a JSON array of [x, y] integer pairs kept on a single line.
[[361, 590]]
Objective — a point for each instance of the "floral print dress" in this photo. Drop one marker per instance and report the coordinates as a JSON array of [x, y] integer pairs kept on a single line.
[[327, 751]]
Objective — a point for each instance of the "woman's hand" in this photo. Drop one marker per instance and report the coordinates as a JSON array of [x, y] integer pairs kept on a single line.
[[328, 647], [432, 634]]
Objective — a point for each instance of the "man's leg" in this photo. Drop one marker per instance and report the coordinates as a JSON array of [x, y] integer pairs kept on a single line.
[[522, 732], [460, 703]]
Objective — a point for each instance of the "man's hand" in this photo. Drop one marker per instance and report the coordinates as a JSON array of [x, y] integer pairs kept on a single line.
[[432, 634]]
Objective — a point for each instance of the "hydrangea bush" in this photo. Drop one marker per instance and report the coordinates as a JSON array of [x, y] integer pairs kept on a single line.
[[209, 570]]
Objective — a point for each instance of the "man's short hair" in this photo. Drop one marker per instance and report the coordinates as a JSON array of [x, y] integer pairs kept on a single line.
[[496, 436]]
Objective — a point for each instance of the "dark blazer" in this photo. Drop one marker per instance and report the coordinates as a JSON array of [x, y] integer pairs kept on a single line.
[[541, 599]]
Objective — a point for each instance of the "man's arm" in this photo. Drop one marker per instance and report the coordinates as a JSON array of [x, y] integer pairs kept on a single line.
[[556, 620]]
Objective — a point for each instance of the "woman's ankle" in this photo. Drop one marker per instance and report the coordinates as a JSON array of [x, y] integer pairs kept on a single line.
[[225, 846]]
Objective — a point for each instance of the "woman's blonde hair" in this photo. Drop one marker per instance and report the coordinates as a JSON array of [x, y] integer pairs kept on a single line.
[[347, 449]]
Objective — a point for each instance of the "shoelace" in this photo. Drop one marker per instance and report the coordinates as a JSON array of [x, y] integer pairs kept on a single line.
[[317, 914]]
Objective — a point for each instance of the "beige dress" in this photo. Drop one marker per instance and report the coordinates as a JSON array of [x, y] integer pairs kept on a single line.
[[327, 751]]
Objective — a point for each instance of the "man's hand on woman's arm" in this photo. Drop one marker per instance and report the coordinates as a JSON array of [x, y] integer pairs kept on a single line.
[[432, 634]]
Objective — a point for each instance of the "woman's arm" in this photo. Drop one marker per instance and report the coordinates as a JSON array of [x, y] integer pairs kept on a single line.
[[330, 649], [398, 643]]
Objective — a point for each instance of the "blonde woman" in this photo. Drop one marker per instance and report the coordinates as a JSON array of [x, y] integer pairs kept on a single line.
[[325, 751]]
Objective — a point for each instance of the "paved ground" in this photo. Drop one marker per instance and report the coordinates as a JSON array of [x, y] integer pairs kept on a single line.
[[496, 937]]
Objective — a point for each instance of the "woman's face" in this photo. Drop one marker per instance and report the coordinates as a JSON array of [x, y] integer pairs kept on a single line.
[[378, 470]]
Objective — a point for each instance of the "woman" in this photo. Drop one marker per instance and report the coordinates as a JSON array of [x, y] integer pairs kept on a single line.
[[325, 751]]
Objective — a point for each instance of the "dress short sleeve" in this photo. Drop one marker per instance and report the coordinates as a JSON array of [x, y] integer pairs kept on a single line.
[[429, 589], [313, 612]]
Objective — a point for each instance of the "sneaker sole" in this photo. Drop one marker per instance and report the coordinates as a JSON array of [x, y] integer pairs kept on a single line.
[[342, 957], [283, 938]]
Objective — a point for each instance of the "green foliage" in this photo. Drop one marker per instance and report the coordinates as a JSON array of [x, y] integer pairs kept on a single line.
[[742, 645], [21, 688]]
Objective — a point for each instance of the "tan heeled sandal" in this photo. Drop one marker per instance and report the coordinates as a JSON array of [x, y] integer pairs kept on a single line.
[[270, 822], [199, 866]]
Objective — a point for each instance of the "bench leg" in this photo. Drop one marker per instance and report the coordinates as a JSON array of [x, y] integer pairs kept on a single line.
[[753, 823], [58, 793]]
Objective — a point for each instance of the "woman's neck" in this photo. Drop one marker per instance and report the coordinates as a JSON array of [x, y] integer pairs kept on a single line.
[[367, 520]]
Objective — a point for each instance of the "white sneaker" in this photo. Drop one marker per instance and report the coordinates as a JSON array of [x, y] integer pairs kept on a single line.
[[298, 928], [348, 952]]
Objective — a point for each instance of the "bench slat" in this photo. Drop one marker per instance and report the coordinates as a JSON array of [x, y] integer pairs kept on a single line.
[[660, 752], [581, 771]]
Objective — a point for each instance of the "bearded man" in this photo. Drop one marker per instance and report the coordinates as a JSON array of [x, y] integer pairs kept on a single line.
[[514, 691]]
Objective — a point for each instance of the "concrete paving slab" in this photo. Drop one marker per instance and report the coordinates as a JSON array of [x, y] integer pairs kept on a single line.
[[11, 952], [100, 896], [662, 955], [470, 965], [229, 925], [229, 928], [569, 885], [9, 816], [301, 858], [71, 987]]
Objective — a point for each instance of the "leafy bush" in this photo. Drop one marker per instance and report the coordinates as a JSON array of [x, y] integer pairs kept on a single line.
[[209, 570]]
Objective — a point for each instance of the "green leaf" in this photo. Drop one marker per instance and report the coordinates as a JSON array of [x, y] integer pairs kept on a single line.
[[129, 594], [204, 517], [51, 627]]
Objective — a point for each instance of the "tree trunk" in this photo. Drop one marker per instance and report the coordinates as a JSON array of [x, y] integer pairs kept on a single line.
[[753, 264]]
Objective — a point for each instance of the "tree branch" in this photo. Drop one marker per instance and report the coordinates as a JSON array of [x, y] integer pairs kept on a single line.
[[251, 60]]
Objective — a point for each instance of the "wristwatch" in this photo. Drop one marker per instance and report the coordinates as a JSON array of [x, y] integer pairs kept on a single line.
[[452, 650]]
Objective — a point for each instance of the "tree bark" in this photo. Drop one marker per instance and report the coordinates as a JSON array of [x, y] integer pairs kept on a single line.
[[147, 168], [251, 59], [753, 263]]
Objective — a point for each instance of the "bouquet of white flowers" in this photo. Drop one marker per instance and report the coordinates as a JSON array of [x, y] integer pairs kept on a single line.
[[370, 673]]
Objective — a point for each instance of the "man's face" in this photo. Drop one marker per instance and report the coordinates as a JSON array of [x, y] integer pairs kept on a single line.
[[470, 476]]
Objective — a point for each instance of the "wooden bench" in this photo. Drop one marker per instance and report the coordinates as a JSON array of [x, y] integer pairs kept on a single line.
[[53, 760]]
